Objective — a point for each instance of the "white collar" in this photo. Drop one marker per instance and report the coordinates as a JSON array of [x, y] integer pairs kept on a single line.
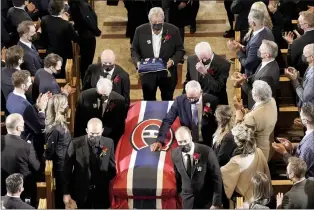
[[13, 196], [59, 16], [26, 43], [299, 181], [158, 35], [264, 63], [256, 32], [310, 29], [19, 94], [22, 7]]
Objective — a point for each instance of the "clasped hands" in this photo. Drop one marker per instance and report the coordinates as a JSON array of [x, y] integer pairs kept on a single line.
[[292, 73], [238, 79], [234, 45], [67, 89], [283, 147]]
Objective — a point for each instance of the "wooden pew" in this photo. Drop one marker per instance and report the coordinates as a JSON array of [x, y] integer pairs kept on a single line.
[[282, 186], [42, 203]]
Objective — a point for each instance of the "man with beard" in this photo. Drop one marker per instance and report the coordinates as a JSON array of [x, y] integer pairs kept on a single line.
[[44, 79], [108, 69], [197, 172], [89, 168]]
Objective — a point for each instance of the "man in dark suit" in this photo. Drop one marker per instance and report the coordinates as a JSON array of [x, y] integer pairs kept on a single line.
[[14, 186], [103, 103], [91, 158], [195, 111], [158, 40], [18, 156], [267, 71], [247, 55], [210, 70], [295, 47], [300, 196], [32, 61], [34, 116], [13, 60], [197, 172], [108, 69]]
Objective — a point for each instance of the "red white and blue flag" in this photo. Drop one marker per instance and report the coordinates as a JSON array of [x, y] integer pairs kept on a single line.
[[145, 179]]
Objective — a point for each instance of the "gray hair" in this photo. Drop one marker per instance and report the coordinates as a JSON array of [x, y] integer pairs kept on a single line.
[[244, 138], [261, 91], [309, 48], [256, 16], [307, 110], [202, 47], [157, 11], [104, 86], [193, 86], [12, 121], [271, 47]]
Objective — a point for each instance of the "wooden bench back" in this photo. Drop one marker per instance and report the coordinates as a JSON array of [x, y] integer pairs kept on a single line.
[[42, 203], [50, 185]]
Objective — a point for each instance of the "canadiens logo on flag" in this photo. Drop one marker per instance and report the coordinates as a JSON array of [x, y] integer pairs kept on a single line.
[[145, 179]]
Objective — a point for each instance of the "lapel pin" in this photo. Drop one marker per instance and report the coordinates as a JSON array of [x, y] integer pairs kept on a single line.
[[199, 168], [149, 42], [94, 106]]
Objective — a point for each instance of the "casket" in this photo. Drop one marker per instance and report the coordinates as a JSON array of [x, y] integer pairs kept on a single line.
[[145, 179]]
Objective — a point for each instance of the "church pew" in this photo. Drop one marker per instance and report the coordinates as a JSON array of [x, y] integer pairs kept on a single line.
[[42, 203]]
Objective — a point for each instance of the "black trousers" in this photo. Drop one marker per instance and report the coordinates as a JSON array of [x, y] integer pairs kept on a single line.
[[87, 50], [97, 198], [151, 81], [230, 15], [181, 30], [59, 190]]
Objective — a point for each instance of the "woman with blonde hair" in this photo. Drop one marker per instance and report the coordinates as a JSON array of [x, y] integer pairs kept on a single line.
[[58, 137], [248, 159], [224, 144]]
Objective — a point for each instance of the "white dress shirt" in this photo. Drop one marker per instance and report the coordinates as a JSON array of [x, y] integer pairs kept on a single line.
[[191, 152], [264, 64], [19, 94], [28, 44], [156, 43], [256, 32]]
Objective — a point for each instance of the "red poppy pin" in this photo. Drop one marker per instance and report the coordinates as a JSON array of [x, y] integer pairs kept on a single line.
[[211, 71], [166, 37], [196, 157], [207, 109], [116, 80], [103, 151], [110, 107]]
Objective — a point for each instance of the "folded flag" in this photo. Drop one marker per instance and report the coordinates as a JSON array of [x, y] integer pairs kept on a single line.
[[149, 65]]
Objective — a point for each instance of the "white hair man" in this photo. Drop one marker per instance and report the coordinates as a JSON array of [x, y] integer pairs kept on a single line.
[[262, 117], [210, 70], [102, 164], [103, 103], [247, 55], [107, 68], [294, 55], [304, 87], [195, 111], [189, 153], [18, 155], [267, 71], [157, 39]]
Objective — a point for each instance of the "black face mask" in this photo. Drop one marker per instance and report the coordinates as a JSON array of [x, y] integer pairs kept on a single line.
[[94, 140], [107, 67], [193, 101], [157, 26], [186, 148], [34, 38], [206, 62], [103, 97]]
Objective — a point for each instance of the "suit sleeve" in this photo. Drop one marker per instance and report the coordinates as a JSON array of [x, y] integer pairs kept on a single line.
[[68, 166], [112, 163], [177, 175], [293, 54], [135, 48], [29, 64], [79, 126], [87, 81], [230, 176], [226, 149], [286, 203], [216, 85], [90, 19], [187, 77], [216, 180], [178, 55], [126, 90], [306, 93], [236, 7], [35, 120], [167, 122], [249, 60], [32, 159], [72, 35]]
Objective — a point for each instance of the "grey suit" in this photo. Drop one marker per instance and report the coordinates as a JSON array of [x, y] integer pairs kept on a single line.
[[204, 188], [248, 56], [269, 73], [300, 196]]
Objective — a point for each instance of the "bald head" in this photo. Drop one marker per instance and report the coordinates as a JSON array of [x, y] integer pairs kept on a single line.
[[94, 127], [308, 54], [14, 124], [183, 135], [108, 57]]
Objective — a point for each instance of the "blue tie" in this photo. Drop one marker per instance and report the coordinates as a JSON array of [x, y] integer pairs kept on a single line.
[[195, 114]]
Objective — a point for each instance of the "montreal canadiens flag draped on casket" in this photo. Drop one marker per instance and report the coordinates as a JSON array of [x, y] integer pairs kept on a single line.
[[145, 179]]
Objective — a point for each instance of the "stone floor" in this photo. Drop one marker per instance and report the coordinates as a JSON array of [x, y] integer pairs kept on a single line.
[[212, 25]]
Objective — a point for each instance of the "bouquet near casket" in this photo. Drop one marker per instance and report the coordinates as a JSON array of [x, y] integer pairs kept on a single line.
[[149, 65]]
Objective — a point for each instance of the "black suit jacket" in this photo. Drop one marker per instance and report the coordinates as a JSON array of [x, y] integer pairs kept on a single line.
[[6, 81], [182, 108], [215, 83], [113, 117], [15, 16], [17, 156], [32, 61], [224, 151], [270, 74], [142, 48], [295, 51], [77, 179], [120, 80], [57, 35], [300, 196], [15, 203], [204, 188]]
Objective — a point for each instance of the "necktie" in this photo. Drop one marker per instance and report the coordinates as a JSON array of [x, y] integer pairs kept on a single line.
[[188, 164], [106, 74], [195, 114]]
